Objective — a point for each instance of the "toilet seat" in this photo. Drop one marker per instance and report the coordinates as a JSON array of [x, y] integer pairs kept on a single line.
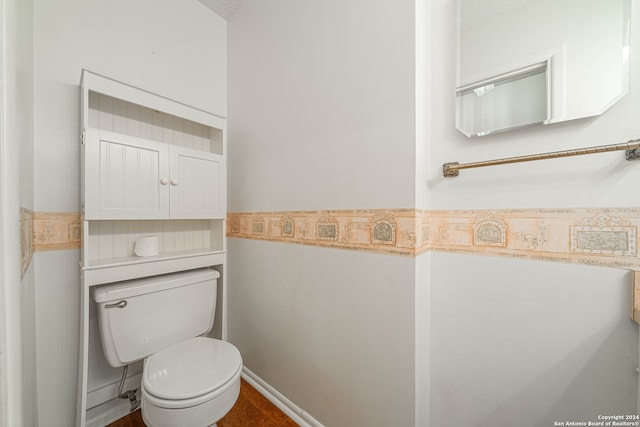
[[190, 372]]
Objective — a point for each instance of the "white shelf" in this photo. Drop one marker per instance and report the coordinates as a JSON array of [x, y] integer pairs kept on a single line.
[[120, 90], [115, 269]]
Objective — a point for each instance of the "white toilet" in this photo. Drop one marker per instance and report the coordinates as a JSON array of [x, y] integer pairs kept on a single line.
[[187, 380]]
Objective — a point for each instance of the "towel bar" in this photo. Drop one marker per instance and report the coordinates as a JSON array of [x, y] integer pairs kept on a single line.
[[632, 152]]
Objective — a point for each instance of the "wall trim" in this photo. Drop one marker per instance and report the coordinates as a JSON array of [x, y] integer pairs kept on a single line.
[[56, 230], [26, 239], [390, 231], [274, 396], [594, 236]]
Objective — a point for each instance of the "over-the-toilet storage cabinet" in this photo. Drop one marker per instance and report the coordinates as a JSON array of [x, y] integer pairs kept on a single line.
[[150, 166]]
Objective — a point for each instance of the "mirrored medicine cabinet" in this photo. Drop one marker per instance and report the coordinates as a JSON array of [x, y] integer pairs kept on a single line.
[[527, 62]]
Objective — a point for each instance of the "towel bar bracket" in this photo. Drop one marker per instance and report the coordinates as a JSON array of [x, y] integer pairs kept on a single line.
[[633, 154], [447, 171]]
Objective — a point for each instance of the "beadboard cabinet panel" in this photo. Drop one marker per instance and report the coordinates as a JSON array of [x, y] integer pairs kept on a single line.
[[112, 114], [197, 184], [116, 239], [124, 175]]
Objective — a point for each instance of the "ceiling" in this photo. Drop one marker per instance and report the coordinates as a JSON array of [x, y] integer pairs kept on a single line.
[[482, 11], [475, 11], [224, 8]]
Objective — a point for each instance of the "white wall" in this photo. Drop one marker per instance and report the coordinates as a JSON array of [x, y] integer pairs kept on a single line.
[[322, 116], [523, 342], [591, 181], [16, 189], [26, 121], [172, 47], [423, 108], [322, 95], [29, 389], [528, 343], [329, 329], [422, 332]]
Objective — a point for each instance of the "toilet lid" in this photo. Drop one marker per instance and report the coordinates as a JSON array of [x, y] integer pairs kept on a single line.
[[191, 368]]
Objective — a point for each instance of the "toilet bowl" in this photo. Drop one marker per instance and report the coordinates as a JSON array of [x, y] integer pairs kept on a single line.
[[194, 382], [188, 380]]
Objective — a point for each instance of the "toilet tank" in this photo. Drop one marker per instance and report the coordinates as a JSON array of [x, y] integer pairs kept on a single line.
[[139, 317]]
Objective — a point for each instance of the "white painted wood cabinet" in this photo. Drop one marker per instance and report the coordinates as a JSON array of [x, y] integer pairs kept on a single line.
[[132, 178], [122, 177], [149, 166], [197, 184]]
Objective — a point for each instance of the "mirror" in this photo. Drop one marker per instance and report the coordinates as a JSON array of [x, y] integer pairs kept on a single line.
[[528, 62]]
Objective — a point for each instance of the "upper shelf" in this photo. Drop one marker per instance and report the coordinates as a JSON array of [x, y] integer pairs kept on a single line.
[[109, 105], [97, 83]]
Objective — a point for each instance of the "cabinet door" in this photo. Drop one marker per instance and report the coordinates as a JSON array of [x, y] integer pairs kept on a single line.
[[198, 182], [125, 177]]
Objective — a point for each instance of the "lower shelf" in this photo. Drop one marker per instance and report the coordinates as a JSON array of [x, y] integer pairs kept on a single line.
[[116, 269]]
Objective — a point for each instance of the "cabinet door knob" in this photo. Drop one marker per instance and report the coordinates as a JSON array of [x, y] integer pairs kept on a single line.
[[174, 182], [164, 181]]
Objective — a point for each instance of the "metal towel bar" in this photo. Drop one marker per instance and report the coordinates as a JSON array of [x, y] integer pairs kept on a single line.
[[632, 152]]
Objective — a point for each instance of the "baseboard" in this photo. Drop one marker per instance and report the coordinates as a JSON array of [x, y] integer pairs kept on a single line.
[[110, 391], [108, 412], [103, 407], [278, 399]]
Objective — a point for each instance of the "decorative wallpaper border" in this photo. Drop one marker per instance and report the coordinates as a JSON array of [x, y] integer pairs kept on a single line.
[[47, 231], [26, 239], [56, 230], [607, 236], [391, 231]]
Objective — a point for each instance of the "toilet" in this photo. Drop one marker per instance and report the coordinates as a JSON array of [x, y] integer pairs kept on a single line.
[[188, 380]]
